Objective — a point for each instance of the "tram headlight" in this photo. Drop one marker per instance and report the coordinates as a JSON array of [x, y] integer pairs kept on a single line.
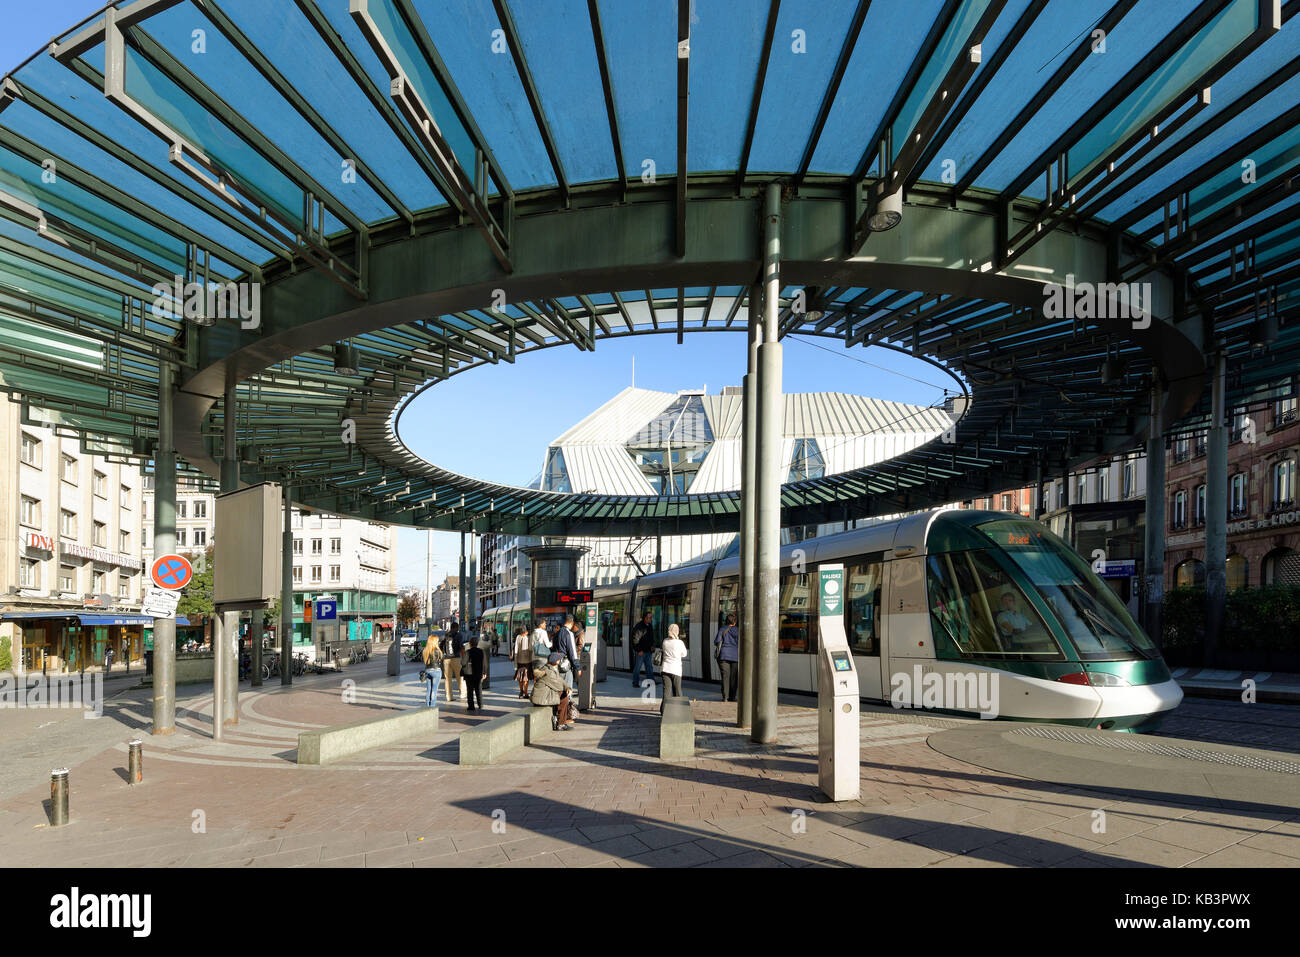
[[1104, 679]]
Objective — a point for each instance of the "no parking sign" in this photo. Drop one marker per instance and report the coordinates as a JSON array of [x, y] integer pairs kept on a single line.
[[172, 572]]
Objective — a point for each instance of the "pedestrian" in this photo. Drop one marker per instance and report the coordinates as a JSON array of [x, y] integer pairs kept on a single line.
[[433, 658], [522, 655], [541, 642], [496, 640], [452, 667], [549, 689], [674, 650], [475, 665], [108, 657], [728, 644], [643, 647], [568, 649]]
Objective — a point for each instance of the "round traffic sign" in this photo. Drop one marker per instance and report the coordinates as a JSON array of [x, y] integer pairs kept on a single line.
[[171, 572]]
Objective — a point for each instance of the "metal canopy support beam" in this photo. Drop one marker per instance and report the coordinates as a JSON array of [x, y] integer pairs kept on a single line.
[[228, 653], [749, 514], [286, 590], [770, 427], [164, 543], [773, 10], [1155, 544], [602, 60], [1216, 510], [832, 88], [683, 93]]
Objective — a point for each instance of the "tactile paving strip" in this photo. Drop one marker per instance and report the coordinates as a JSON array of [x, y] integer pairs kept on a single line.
[[1124, 742]]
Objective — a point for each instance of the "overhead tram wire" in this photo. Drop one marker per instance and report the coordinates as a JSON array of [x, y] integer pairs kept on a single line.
[[843, 352]]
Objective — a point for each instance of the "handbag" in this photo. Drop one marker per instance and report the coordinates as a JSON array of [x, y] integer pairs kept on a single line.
[[564, 665], [658, 658], [424, 675]]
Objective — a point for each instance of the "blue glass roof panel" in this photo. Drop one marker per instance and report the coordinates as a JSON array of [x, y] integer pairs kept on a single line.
[[642, 54], [726, 50]]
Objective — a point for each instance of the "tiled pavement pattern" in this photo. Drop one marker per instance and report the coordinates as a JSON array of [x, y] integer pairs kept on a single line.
[[595, 796]]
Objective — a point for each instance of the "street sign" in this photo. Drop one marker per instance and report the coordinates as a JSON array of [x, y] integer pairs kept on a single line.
[[172, 572], [327, 611], [160, 602]]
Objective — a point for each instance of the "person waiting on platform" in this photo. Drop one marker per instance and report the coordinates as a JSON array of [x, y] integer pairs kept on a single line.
[[549, 689], [541, 642], [475, 668], [674, 650], [521, 653], [452, 667], [728, 644], [568, 649], [433, 658], [643, 647]]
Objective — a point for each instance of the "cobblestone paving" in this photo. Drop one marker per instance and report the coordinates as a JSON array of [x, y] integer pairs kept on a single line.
[[596, 796]]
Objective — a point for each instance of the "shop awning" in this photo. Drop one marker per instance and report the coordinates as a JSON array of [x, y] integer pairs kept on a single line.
[[81, 618]]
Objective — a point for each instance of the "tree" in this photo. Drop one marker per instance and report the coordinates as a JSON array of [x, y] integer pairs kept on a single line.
[[196, 599], [409, 609]]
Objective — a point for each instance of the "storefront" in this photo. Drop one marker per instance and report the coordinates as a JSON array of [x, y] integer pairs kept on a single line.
[[65, 640], [1261, 551]]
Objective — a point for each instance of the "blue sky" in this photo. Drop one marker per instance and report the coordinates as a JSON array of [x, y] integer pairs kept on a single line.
[[495, 422]]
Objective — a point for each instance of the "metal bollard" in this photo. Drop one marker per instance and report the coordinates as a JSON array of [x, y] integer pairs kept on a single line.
[[135, 765], [59, 797]]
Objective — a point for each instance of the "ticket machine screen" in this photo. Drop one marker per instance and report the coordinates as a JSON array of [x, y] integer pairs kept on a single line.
[[841, 661]]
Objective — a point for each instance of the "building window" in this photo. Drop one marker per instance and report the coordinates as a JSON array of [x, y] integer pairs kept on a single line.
[[297, 573], [30, 512], [315, 573], [1282, 567], [1103, 482], [336, 546], [1060, 495], [1080, 489], [1200, 505], [180, 538], [200, 536], [297, 519], [1190, 574], [1178, 515], [68, 523], [1284, 483], [1201, 438], [807, 461], [69, 470], [316, 546], [1007, 505], [297, 546], [99, 534], [124, 496], [67, 578], [555, 478], [30, 573], [144, 536], [1238, 500], [97, 582], [1284, 412], [123, 587], [200, 509], [31, 450], [1182, 450], [1126, 482], [98, 484], [336, 573], [180, 508], [1238, 571], [123, 541]]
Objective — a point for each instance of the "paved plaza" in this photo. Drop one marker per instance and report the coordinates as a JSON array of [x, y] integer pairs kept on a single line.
[[598, 796]]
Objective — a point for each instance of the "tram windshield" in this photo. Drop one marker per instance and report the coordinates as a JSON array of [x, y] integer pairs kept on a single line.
[[977, 609], [1093, 616]]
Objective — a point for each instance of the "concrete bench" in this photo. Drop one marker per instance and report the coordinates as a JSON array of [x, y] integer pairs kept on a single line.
[[491, 740], [677, 729], [329, 744]]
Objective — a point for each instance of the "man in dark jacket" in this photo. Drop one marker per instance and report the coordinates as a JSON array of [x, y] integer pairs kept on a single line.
[[475, 663], [568, 649], [643, 646], [728, 645]]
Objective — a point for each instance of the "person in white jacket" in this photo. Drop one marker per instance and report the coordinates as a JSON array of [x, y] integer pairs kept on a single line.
[[674, 652]]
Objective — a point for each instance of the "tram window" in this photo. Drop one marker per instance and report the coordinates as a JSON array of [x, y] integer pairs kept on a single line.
[[862, 606], [728, 590], [798, 623], [1095, 619], [668, 606], [978, 610], [611, 622]]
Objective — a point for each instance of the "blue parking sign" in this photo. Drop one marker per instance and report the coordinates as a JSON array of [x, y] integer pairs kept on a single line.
[[326, 611]]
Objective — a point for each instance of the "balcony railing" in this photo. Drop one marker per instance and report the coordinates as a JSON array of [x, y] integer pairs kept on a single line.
[[1182, 455], [1178, 524], [1238, 511]]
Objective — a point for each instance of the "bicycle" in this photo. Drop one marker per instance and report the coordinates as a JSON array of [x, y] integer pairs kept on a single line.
[[271, 668], [300, 665]]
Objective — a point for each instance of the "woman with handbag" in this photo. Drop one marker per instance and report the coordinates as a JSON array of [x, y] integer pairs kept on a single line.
[[674, 653], [432, 672], [549, 689], [522, 655]]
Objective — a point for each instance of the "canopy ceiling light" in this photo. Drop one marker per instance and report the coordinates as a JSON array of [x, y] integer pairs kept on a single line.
[[345, 359], [889, 212]]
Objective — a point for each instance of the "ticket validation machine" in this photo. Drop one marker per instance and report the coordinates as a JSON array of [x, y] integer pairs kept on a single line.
[[838, 732], [588, 653]]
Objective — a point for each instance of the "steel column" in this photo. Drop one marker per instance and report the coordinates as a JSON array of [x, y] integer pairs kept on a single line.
[[1154, 547], [256, 629], [1216, 511], [460, 590], [230, 620], [164, 543], [769, 432], [286, 590], [748, 517]]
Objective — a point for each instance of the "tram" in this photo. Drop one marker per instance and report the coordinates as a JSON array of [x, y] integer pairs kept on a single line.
[[946, 599]]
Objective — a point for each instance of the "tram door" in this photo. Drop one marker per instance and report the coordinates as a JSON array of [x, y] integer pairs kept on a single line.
[[864, 579], [670, 606]]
